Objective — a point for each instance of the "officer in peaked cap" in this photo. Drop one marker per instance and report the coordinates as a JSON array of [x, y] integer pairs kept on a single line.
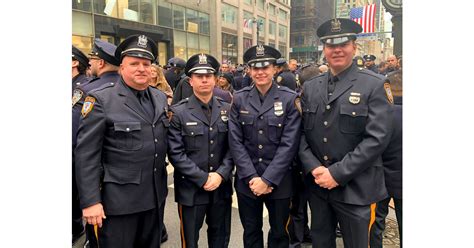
[[370, 63], [80, 62], [203, 185], [264, 128], [120, 153], [175, 72], [283, 76], [347, 119], [104, 66]]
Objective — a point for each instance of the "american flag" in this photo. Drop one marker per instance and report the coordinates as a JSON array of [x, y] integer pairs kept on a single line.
[[365, 16]]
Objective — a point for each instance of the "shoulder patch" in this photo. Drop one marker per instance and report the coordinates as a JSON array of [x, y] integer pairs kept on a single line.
[[88, 106], [388, 92], [76, 96], [298, 104], [279, 78]]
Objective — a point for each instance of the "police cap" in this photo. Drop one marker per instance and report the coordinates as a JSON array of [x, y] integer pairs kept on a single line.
[[177, 62], [280, 62], [338, 31], [261, 56], [80, 56], [139, 46], [105, 51], [369, 57], [201, 63]]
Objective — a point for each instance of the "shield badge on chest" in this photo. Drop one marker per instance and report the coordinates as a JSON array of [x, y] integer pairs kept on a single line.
[[224, 116], [354, 98], [278, 107]]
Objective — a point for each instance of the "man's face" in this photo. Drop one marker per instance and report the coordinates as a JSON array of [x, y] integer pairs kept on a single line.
[[202, 84], [339, 57], [369, 63], [392, 61], [136, 72], [225, 68], [262, 76], [292, 65], [94, 65]]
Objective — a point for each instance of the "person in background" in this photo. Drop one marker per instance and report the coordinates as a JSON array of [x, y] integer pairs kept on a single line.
[[225, 67], [392, 64], [175, 72], [283, 76], [158, 81], [238, 79], [80, 63], [370, 63], [225, 81]]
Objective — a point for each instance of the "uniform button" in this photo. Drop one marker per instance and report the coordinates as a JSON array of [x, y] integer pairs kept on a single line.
[[243, 122], [260, 159], [156, 140], [128, 129], [325, 140], [328, 107], [153, 125], [212, 141], [325, 123], [182, 177], [353, 113], [111, 83], [260, 146], [210, 129], [156, 155], [261, 117], [154, 169], [212, 155], [192, 133], [279, 124], [325, 158], [260, 131], [211, 168]]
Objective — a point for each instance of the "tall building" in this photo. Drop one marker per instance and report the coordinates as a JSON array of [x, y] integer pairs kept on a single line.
[[306, 16], [181, 28]]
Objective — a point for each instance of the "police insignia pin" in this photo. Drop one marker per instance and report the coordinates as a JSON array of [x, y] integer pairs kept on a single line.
[[202, 59], [278, 107], [77, 95], [224, 116], [88, 105], [142, 41], [354, 99], [388, 92]]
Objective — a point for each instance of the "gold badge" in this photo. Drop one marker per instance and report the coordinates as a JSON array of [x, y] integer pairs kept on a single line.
[[224, 116], [354, 99], [279, 78], [278, 107], [88, 106], [335, 26], [388, 91], [77, 95]]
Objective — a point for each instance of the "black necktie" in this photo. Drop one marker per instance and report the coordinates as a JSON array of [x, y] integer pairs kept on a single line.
[[146, 103], [332, 84], [207, 111]]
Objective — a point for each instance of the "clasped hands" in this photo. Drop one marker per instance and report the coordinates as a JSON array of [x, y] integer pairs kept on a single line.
[[259, 187], [213, 181], [323, 178]]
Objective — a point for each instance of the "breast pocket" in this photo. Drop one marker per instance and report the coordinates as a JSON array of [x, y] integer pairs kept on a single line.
[[309, 116], [247, 125], [128, 135], [193, 137], [353, 118], [275, 127]]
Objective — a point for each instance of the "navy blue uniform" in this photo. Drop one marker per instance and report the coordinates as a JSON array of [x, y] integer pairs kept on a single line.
[[183, 90], [264, 140], [198, 146], [79, 80], [286, 78]]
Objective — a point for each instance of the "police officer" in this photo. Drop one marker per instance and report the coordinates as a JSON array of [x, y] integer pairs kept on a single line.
[[80, 62], [104, 67], [283, 76], [264, 131], [175, 71], [370, 63], [239, 77], [347, 125], [121, 149], [199, 152]]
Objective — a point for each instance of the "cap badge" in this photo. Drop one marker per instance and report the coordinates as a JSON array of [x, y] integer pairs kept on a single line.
[[335, 26], [202, 59], [142, 41], [260, 50]]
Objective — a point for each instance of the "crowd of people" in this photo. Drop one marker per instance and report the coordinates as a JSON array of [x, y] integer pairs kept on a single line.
[[280, 134]]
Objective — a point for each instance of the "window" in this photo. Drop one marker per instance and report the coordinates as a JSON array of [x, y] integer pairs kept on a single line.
[[128, 10], [147, 8], [247, 43], [179, 44], [204, 44], [271, 29], [249, 2], [81, 5], [193, 44], [164, 14], [162, 53], [282, 30], [192, 21], [178, 17], [204, 20], [247, 23], [82, 24], [260, 4], [282, 49], [283, 15], [229, 14], [106, 7], [272, 9], [229, 48], [82, 43]]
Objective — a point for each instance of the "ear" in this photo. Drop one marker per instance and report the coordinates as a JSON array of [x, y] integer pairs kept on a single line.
[[75, 63]]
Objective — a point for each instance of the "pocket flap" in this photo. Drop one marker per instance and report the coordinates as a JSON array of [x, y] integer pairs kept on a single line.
[[354, 110], [193, 130], [127, 126], [246, 119], [122, 176], [275, 121]]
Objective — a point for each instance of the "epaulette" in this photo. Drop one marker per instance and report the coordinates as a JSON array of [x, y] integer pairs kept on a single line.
[[219, 99], [185, 100], [286, 89], [247, 88], [104, 86], [371, 73]]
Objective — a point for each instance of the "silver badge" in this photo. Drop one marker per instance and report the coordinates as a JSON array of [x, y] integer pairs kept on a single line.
[[202, 59], [260, 51], [354, 99], [335, 26], [278, 107], [142, 41]]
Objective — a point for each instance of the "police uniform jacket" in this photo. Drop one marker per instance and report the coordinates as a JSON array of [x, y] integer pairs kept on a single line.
[[264, 138], [198, 147], [120, 153], [347, 133], [392, 156], [373, 68], [183, 90], [78, 80], [286, 78]]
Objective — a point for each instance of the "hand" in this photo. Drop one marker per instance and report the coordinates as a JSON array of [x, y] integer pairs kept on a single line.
[[323, 178], [94, 214], [214, 180], [259, 187]]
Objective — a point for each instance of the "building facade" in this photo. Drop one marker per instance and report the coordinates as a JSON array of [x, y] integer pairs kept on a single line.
[[181, 28]]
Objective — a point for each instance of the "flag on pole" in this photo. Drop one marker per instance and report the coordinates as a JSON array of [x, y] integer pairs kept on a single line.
[[365, 16]]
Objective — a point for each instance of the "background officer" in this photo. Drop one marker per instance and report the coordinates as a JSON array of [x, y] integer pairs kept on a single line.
[[199, 152], [347, 124], [264, 131], [370, 63], [120, 153], [104, 66], [175, 71], [80, 62], [283, 76]]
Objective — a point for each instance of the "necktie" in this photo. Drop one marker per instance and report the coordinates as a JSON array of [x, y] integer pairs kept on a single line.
[[332, 85], [207, 111], [146, 103]]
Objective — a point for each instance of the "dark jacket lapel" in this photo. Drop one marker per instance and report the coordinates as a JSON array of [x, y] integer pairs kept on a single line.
[[131, 101], [195, 108]]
